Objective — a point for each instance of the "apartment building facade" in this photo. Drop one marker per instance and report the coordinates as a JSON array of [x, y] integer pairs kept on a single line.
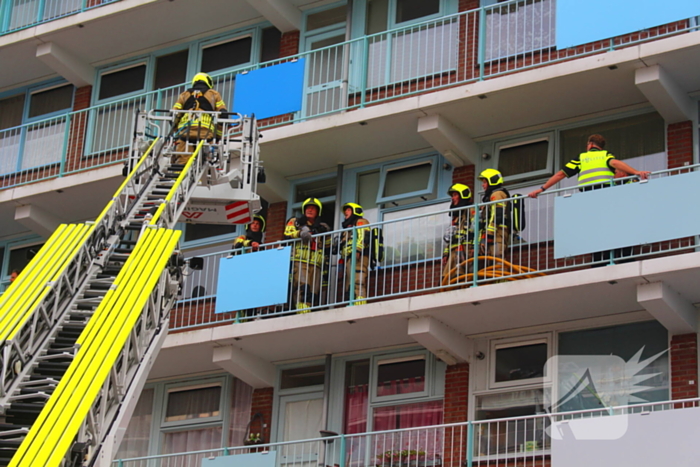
[[400, 100]]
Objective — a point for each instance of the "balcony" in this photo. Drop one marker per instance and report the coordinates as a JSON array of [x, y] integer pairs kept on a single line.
[[18, 14], [472, 47], [629, 435]]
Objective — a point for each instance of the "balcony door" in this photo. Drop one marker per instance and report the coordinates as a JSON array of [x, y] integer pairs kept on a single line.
[[300, 417], [324, 72]]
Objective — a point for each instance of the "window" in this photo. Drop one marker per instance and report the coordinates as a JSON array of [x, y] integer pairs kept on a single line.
[[326, 18], [270, 44], [525, 158], [517, 362], [11, 110], [401, 182], [20, 257], [121, 82], [171, 69], [195, 232], [188, 416], [400, 376], [46, 102], [410, 10], [302, 377], [387, 14], [227, 54]]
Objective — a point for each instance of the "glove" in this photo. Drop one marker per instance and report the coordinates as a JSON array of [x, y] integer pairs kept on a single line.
[[305, 234], [449, 232]]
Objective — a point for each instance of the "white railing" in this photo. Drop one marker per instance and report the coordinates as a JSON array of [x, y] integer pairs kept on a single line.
[[21, 14], [415, 260], [520, 440], [456, 49]]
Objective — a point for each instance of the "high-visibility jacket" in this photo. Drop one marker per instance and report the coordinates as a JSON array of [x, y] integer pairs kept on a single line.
[[193, 99], [361, 239], [592, 167], [462, 231], [317, 249]]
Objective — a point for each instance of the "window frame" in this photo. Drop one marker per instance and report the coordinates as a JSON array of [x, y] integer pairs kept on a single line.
[[197, 422], [497, 344], [42, 88], [429, 190], [548, 136], [146, 61], [376, 360], [255, 34], [292, 206]]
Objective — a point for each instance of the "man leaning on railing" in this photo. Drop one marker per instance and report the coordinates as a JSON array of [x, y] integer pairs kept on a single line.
[[595, 169]]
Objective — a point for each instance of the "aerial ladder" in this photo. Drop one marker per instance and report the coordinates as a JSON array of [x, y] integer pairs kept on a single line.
[[82, 324]]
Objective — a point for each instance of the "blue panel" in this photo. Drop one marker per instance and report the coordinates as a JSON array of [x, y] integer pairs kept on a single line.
[[581, 22], [271, 91], [258, 459], [627, 215], [253, 280]]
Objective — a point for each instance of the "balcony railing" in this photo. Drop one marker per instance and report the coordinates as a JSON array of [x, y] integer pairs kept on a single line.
[[413, 262], [22, 14], [485, 443], [457, 49]]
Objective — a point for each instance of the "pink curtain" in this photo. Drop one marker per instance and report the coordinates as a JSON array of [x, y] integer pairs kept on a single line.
[[401, 386], [356, 399]]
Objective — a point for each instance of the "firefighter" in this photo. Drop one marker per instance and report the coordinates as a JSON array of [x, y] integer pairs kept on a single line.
[[494, 219], [253, 237], [308, 255], [459, 237], [192, 128], [359, 239]]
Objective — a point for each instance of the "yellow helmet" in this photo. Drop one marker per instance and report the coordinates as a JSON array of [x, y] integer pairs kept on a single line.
[[356, 209], [463, 190], [312, 202], [204, 78], [260, 219], [492, 176]]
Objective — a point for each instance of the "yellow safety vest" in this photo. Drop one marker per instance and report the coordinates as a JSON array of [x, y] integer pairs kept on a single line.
[[594, 167]]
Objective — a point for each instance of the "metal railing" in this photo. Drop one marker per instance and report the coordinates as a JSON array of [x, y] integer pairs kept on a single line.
[[21, 14], [456, 49], [422, 253], [475, 443]]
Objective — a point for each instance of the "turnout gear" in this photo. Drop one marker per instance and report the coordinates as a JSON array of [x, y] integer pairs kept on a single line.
[[308, 257], [459, 235], [358, 239], [250, 237]]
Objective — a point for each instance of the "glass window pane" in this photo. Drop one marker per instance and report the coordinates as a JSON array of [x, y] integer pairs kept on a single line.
[[171, 70], [425, 240], [408, 416], [53, 100], [407, 10], [20, 257], [625, 341], [241, 402], [11, 110], [419, 448], [523, 158], [407, 180], [400, 377], [377, 16], [121, 82], [192, 440], [627, 138], [510, 436], [200, 231], [326, 18], [520, 362], [226, 55], [138, 433], [317, 189], [356, 396], [188, 404], [303, 377], [270, 44]]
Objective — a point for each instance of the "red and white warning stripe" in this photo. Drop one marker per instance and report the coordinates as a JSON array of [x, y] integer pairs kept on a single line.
[[238, 212]]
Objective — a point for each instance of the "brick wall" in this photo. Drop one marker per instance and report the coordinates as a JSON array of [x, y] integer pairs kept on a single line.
[[289, 44], [455, 411], [78, 128], [276, 218], [262, 403], [465, 175], [679, 141], [684, 366]]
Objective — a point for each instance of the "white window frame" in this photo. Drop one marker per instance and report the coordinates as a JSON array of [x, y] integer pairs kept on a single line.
[[387, 168], [183, 425], [397, 358], [144, 61], [497, 344], [512, 143]]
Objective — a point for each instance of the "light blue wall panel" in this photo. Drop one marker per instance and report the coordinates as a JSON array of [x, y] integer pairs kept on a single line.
[[580, 22], [258, 459], [270, 91], [627, 215], [253, 280]]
